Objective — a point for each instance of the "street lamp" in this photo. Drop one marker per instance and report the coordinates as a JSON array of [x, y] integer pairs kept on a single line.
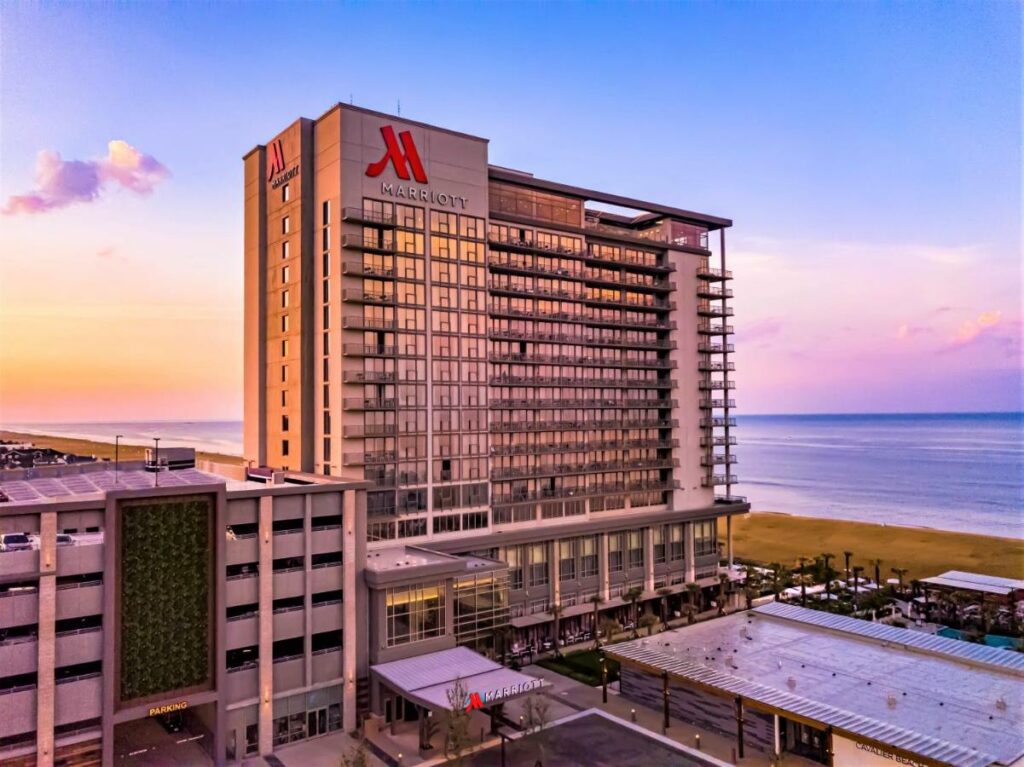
[[117, 455]]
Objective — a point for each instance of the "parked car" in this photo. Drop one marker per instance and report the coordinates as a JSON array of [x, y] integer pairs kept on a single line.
[[15, 542], [172, 722], [64, 539]]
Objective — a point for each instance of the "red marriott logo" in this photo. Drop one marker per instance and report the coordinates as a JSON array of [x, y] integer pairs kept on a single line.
[[276, 164], [402, 160], [474, 701]]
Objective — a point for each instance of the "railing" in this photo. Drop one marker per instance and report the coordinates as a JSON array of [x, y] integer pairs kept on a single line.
[[366, 270], [368, 376], [719, 479], [713, 310], [730, 499], [707, 272], [373, 430], [565, 359], [706, 423], [372, 323], [364, 350], [706, 291], [707, 404], [358, 214], [538, 404], [516, 472], [367, 297], [716, 385], [511, 242], [718, 460], [618, 383], [358, 242], [77, 677], [705, 348], [713, 329], [713, 367], [717, 441], [500, 426], [369, 403], [580, 447]]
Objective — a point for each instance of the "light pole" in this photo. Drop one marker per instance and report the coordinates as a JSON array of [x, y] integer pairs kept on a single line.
[[156, 460], [117, 455]]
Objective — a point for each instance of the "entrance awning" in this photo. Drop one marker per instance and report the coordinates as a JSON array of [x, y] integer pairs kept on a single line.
[[426, 679]]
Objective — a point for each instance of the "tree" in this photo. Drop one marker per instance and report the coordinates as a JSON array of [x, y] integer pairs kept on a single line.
[[664, 593], [695, 596], [857, 570], [829, 573], [597, 601], [723, 580], [803, 581], [610, 627], [900, 573], [752, 586], [356, 756], [457, 738], [649, 621], [780, 575], [847, 555], [877, 564], [555, 611], [537, 711], [633, 597]]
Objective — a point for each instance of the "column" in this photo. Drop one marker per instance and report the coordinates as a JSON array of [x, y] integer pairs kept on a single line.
[[691, 565], [602, 564], [45, 693], [350, 640], [266, 627], [648, 559], [728, 538], [778, 738], [556, 586], [307, 599], [739, 726]]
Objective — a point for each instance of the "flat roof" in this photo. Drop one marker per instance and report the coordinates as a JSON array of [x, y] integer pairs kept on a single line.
[[990, 584], [427, 679], [404, 558], [941, 699], [81, 485]]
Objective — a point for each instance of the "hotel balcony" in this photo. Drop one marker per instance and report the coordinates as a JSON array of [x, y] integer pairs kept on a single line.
[[552, 470], [628, 423], [711, 385], [600, 383], [706, 272], [716, 421], [713, 293], [368, 323], [360, 216], [370, 430], [708, 309], [579, 338], [500, 263], [730, 499], [369, 403], [368, 350], [529, 246], [359, 269], [372, 244], [715, 367], [708, 348], [630, 303], [356, 296], [566, 359], [652, 323], [713, 480], [717, 441], [654, 286], [709, 404], [360, 459], [367, 376], [718, 460], [582, 492], [709, 329], [582, 447], [546, 404]]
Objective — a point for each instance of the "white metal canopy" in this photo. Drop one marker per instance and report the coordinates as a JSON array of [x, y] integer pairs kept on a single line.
[[427, 679]]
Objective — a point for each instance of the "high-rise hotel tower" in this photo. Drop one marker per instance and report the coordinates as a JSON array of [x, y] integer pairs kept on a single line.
[[519, 370]]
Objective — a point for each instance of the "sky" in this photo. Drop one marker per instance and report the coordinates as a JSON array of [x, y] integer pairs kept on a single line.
[[868, 153]]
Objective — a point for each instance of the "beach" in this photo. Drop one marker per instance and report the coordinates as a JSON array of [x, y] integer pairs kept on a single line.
[[101, 449], [770, 537]]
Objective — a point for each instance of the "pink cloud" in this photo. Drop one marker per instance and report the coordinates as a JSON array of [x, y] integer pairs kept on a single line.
[[971, 330], [61, 182], [766, 328]]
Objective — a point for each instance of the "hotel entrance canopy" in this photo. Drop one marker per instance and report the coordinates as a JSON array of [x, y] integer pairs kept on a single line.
[[426, 679]]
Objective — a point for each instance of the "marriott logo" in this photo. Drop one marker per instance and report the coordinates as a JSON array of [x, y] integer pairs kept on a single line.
[[404, 158]]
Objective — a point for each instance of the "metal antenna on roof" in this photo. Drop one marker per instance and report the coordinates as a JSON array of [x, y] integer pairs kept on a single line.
[[350, 101], [399, 107]]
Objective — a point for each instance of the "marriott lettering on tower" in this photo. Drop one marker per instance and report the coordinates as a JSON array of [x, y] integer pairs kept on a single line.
[[401, 153]]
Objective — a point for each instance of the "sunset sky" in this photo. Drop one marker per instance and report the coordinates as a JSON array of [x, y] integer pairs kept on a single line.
[[868, 153]]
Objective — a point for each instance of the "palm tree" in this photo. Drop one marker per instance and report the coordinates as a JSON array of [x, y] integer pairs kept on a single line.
[[694, 591], [752, 587], [664, 593], [555, 611], [847, 555], [779, 576], [857, 570], [877, 564], [610, 627], [900, 573], [597, 601], [633, 597], [648, 621], [829, 572], [723, 580], [803, 581]]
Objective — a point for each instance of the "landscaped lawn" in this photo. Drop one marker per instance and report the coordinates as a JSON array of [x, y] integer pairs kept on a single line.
[[583, 666]]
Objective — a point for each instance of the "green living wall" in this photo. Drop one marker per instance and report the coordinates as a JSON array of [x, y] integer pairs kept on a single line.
[[165, 590]]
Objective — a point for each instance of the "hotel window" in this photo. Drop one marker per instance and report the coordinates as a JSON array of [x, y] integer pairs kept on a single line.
[[636, 549], [326, 213], [284, 423], [513, 558], [588, 556], [704, 537], [415, 613], [286, 249], [471, 227], [284, 398], [658, 536], [286, 225], [284, 347], [615, 547], [284, 299], [538, 553], [286, 193], [325, 239], [442, 223], [286, 273], [409, 217], [284, 373], [284, 447], [327, 448], [284, 323], [567, 560], [675, 543]]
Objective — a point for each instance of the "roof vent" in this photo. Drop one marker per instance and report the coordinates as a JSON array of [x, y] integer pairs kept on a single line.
[[890, 700], [791, 683], [1001, 703]]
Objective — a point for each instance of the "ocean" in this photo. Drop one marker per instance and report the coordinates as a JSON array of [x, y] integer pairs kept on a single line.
[[962, 472]]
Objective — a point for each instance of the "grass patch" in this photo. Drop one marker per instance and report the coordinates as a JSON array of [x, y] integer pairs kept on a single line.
[[583, 666], [766, 537]]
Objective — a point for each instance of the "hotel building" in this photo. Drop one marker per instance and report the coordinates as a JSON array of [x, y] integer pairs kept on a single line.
[[524, 370]]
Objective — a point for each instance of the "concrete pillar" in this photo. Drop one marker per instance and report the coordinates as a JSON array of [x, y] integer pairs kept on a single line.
[[45, 693], [778, 737], [266, 627], [307, 602], [688, 548], [556, 586], [350, 640], [728, 538], [648, 559], [602, 565]]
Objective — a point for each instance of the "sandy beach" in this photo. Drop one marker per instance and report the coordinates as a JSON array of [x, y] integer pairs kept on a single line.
[[100, 449]]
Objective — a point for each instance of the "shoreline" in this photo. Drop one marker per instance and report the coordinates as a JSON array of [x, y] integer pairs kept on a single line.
[[128, 451]]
